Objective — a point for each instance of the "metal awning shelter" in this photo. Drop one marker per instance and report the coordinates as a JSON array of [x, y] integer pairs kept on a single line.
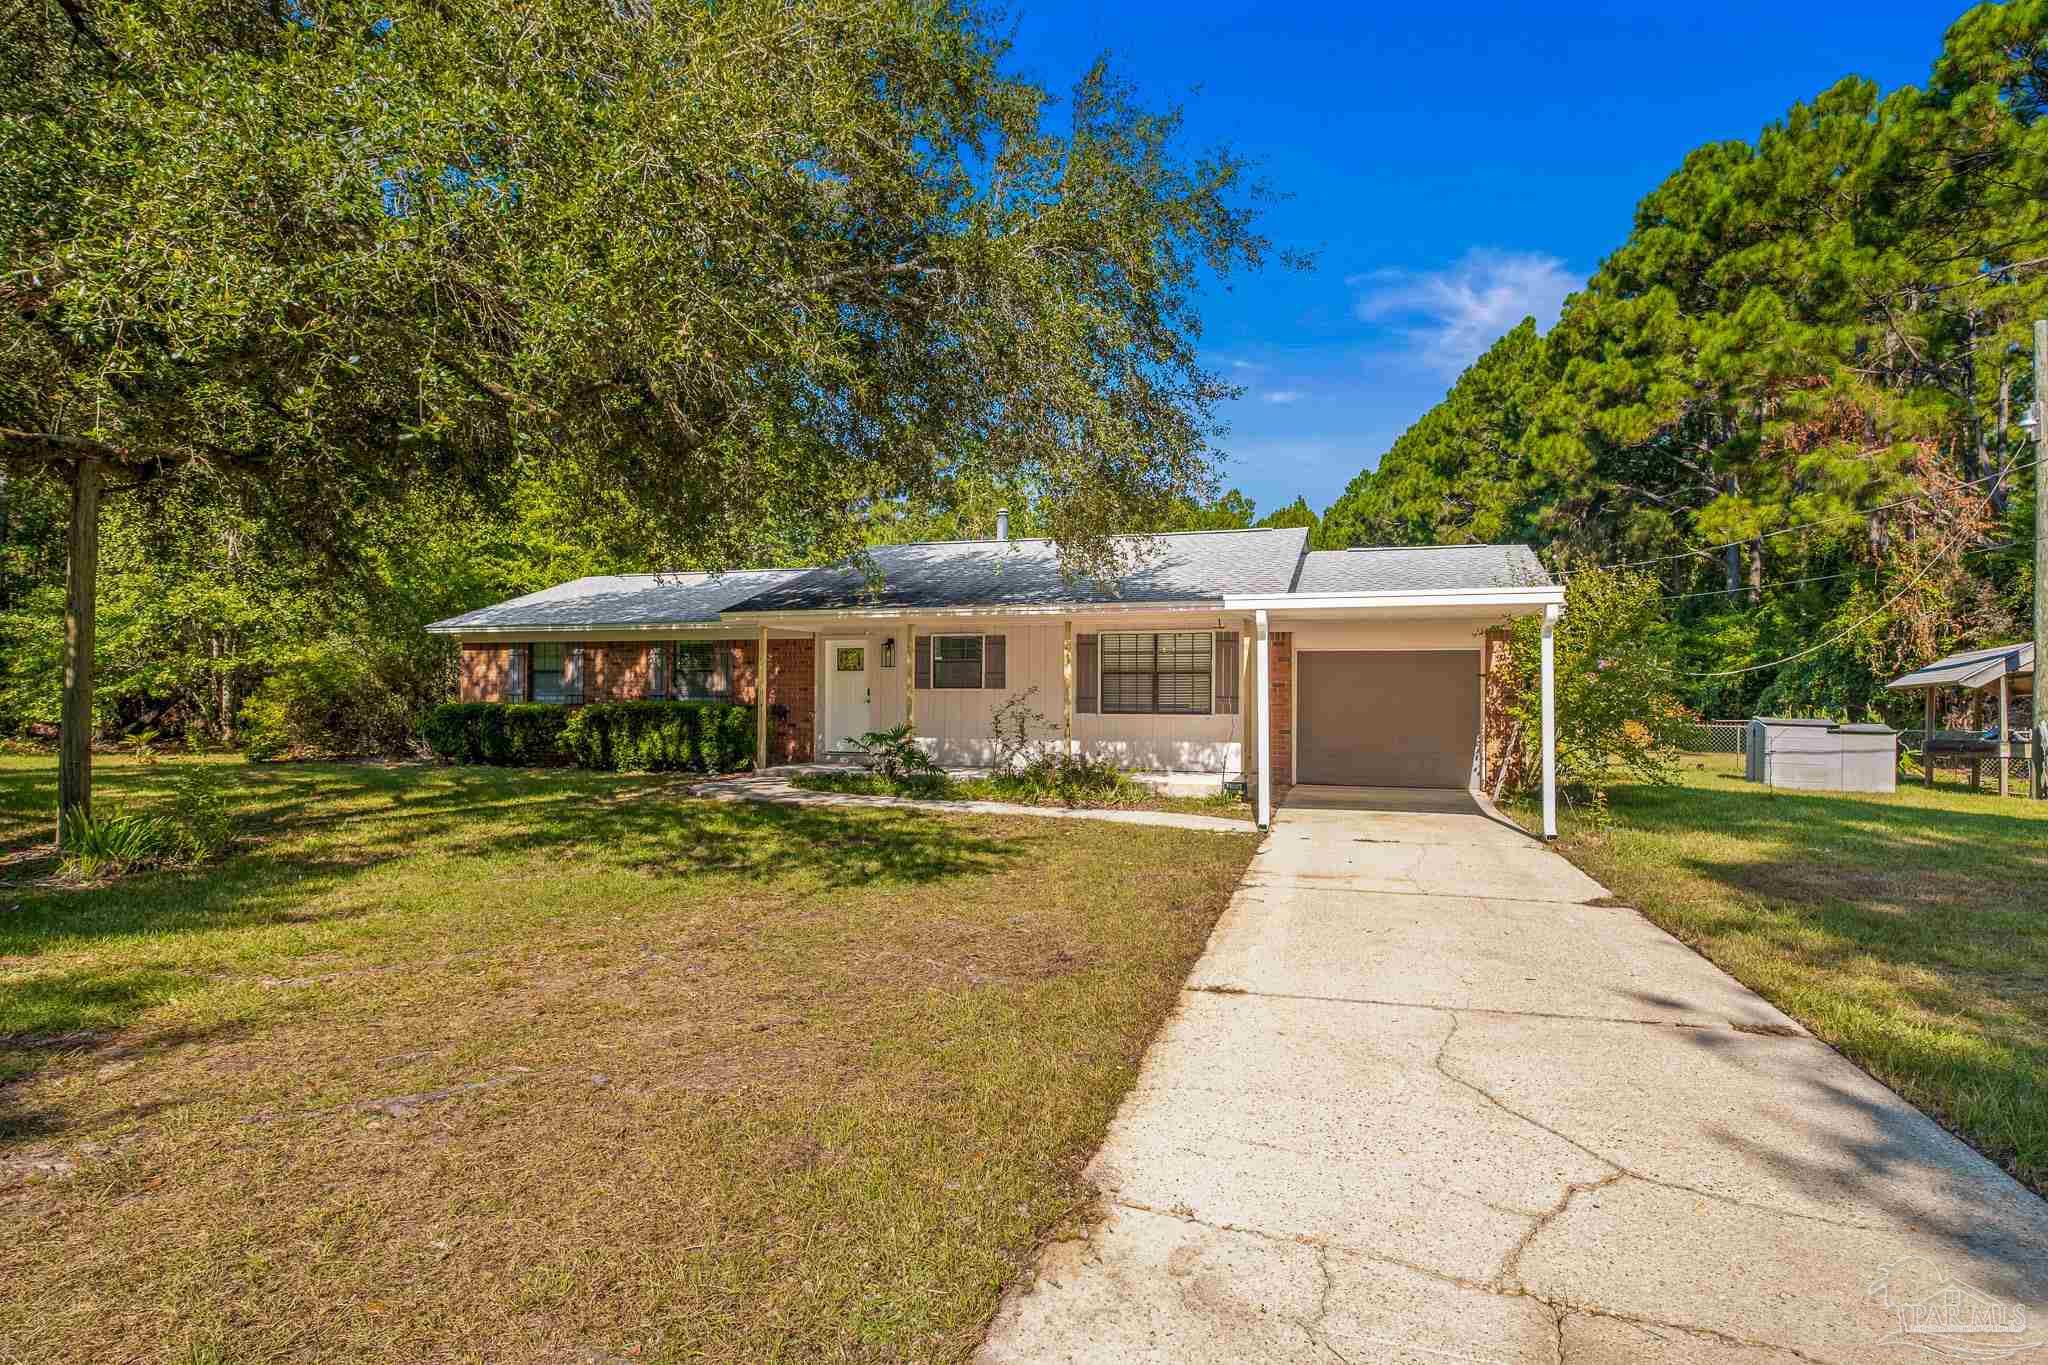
[[2006, 669], [1973, 669]]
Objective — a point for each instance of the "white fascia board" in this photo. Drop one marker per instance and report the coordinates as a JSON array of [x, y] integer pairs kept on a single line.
[[530, 632], [1366, 601], [946, 613]]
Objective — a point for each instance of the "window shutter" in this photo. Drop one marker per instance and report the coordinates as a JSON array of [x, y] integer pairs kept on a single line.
[[995, 661], [1226, 673], [657, 670], [516, 672], [1085, 702], [572, 673], [923, 647]]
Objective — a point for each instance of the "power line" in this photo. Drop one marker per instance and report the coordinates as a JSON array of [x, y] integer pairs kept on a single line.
[[1704, 550], [1824, 577], [1836, 638]]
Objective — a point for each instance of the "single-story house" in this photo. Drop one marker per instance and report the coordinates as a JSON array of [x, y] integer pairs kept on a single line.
[[1226, 655]]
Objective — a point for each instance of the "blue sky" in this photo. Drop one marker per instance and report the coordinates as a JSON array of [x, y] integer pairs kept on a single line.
[[1454, 167]]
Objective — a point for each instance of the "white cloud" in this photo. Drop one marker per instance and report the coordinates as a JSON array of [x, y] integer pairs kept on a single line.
[[1248, 366], [1450, 316], [1283, 395]]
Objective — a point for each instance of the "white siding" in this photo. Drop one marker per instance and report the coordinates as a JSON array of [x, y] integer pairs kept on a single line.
[[956, 725]]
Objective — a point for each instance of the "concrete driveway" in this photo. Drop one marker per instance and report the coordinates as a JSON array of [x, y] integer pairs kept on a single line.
[[1430, 1096]]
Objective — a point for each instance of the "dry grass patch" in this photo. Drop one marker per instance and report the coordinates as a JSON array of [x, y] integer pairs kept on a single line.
[[1907, 930], [453, 1065]]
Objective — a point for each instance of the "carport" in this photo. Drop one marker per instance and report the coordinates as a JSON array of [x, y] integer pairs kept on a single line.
[[1380, 654]]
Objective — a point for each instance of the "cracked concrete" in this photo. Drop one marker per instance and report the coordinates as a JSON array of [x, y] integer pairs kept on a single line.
[[1421, 1102]]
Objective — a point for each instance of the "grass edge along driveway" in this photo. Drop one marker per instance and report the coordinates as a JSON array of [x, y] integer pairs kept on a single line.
[[1910, 931], [451, 1064]]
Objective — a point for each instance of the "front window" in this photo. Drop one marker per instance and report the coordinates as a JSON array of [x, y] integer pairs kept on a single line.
[[1158, 674], [703, 670], [547, 673], [956, 661]]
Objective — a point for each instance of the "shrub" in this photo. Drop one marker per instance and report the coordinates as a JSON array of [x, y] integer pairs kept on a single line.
[[895, 757], [1073, 781], [1018, 730], [616, 736], [113, 841], [661, 736], [523, 734], [332, 699], [197, 829], [1618, 710], [201, 828]]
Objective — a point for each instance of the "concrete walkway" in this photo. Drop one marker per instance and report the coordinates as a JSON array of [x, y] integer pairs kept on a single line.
[[773, 785], [1430, 1097]]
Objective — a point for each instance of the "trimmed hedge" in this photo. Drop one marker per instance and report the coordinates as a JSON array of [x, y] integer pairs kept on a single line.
[[520, 734], [619, 736], [662, 736]]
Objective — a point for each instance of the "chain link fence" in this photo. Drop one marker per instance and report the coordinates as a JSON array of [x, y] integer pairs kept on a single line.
[[1716, 737]]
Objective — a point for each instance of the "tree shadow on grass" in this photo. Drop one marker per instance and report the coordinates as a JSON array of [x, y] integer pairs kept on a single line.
[[1912, 935], [309, 831]]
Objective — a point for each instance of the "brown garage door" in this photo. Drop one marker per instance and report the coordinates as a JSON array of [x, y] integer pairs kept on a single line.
[[1385, 719]]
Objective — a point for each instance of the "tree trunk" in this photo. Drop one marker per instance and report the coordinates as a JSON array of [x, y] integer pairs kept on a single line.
[[74, 758]]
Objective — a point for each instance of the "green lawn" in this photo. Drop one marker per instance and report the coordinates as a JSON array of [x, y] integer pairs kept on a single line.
[[458, 1064], [1910, 931]]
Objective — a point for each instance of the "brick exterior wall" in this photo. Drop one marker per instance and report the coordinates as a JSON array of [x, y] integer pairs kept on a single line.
[[793, 684], [1496, 677], [1280, 722], [485, 672], [617, 672], [743, 673]]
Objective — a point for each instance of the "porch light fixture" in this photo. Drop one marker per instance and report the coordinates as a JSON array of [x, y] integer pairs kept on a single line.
[[888, 651]]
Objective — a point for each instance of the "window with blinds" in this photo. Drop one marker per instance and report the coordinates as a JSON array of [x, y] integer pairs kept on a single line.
[[1157, 674], [549, 660]]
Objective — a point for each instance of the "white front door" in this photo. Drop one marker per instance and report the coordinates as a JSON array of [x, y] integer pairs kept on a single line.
[[849, 709]]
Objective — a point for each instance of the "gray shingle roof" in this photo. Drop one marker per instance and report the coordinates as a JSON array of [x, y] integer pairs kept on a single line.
[[1421, 568], [623, 600], [1196, 567], [1972, 668], [1192, 567]]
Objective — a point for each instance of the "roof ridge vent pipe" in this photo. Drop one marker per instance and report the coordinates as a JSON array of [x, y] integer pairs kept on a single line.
[[1002, 523]]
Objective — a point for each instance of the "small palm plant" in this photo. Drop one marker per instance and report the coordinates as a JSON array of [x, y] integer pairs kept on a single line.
[[113, 841]]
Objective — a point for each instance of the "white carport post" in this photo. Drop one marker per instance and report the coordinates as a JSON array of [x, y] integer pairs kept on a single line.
[[1550, 615], [1264, 719]]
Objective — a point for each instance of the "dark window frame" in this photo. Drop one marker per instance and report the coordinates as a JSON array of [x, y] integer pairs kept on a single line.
[[723, 663], [980, 661], [1122, 702]]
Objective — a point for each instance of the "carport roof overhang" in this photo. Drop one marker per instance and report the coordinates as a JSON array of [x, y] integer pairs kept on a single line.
[[1438, 604]]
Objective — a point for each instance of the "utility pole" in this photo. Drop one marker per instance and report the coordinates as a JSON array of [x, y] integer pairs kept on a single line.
[[2039, 779]]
